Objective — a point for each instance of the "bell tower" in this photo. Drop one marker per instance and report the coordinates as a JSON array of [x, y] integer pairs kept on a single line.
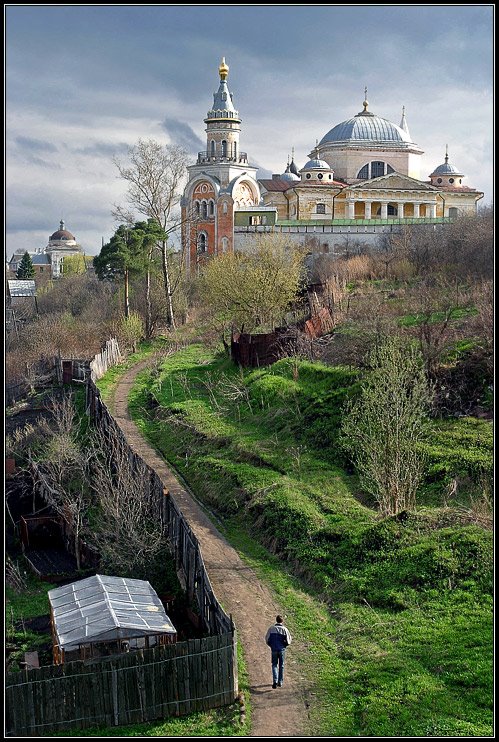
[[220, 182], [223, 124]]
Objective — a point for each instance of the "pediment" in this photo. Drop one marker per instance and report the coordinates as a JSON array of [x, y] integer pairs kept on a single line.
[[395, 181]]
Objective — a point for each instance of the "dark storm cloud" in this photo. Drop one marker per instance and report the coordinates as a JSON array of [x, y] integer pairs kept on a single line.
[[182, 134], [102, 149], [35, 145]]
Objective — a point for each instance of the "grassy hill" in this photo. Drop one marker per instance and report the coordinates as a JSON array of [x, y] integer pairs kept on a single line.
[[393, 616]]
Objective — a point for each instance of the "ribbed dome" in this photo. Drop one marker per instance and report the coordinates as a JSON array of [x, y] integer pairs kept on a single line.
[[446, 169], [366, 127], [316, 164]]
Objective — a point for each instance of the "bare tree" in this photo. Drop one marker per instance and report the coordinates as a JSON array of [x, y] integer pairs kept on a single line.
[[128, 535], [154, 175], [383, 426], [62, 468]]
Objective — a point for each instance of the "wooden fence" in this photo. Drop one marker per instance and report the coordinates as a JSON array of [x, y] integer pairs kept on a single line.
[[109, 356], [168, 680], [183, 543]]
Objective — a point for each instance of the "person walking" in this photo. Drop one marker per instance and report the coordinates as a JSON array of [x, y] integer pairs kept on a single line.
[[278, 638]]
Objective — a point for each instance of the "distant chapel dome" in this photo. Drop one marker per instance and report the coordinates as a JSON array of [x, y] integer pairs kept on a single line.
[[62, 234]]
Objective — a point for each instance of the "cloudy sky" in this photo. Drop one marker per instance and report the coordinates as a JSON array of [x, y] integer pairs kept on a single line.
[[85, 82]]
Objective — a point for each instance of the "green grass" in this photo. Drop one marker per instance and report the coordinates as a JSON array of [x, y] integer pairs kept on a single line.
[[412, 320], [107, 384], [385, 648]]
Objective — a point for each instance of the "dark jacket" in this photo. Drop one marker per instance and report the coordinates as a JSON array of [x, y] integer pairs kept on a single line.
[[278, 637]]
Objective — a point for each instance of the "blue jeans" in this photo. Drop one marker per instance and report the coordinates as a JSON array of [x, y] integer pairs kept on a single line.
[[277, 665]]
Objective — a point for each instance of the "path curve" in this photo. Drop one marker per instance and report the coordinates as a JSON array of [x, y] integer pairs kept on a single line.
[[275, 713]]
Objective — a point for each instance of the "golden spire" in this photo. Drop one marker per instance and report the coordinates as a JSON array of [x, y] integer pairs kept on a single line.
[[365, 102], [223, 69]]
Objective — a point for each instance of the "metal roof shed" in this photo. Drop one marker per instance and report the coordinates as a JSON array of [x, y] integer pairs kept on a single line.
[[102, 615]]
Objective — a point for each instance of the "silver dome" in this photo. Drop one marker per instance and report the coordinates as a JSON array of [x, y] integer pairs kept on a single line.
[[316, 164], [446, 169], [288, 175], [366, 127]]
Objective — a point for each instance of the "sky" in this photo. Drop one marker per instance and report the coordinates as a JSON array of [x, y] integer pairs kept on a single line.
[[84, 82]]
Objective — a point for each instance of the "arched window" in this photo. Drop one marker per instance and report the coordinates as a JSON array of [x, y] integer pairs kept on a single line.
[[212, 208], [321, 209], [225, 244], [374, 170], [202, 242], [198, 208], [224, 208], [204, 209], [224, 148], [212, 148], [235, 150]]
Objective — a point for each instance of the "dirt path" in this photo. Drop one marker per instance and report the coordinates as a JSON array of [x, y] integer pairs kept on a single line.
[[275, 713]]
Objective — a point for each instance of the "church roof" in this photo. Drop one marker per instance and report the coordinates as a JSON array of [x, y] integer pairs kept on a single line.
[[222, 100], [447, 169], [316, 164], [366, 127], [61, 234]]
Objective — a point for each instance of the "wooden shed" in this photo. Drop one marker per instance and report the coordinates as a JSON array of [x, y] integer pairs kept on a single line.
[[101, 616]]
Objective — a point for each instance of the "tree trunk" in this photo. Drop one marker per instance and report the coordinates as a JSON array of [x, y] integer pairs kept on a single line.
[[170, 319], [76, 548], [148, 304], [127, 301]]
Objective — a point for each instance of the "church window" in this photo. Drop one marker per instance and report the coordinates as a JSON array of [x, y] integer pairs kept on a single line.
[[377, 169], [212, 208], [204, 209], [202, 242], [451, 180], [224, 208], [460, 181], [224, 148], [225, 244], [363, 173], [198, 208], [212, 148], [321, 209], [308, 175], [329, 177], [439, 180], [389, 169], [235, 150]]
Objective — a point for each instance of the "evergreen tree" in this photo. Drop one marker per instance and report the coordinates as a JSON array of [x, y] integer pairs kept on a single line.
[[25, 270], [128, 251]]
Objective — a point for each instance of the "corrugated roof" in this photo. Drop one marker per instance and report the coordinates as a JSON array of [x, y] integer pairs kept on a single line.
[[22, 287], [103, 608]]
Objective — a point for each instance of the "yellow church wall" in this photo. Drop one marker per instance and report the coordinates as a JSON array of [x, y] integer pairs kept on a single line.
[[347, 163]]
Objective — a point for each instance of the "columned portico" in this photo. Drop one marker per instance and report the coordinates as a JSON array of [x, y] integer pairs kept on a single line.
[[367, 210], [351, 209], [384, 210], [416, 210]]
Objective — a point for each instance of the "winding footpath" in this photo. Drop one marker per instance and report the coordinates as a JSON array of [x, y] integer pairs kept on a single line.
[[275, 713]]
